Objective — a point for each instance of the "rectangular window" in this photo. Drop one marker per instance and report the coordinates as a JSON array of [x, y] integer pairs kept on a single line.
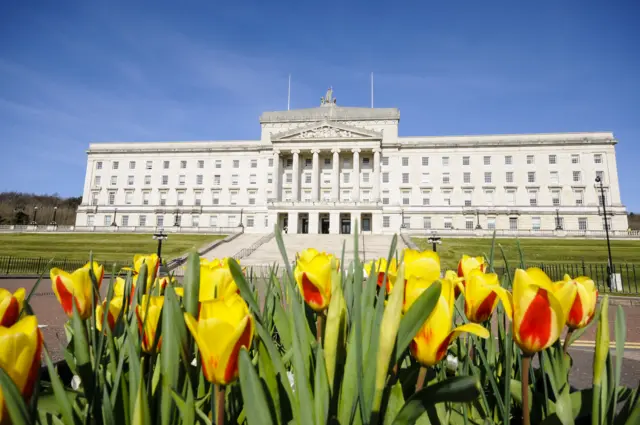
[[466, 160], [579, 197], [287, 195], [346, 177], [114, 180], [575, 158], [365, 177], [91, 220], [425, 179], [326, 178], [269, 178], [553, 159], [252, 198], [306, 196], [608, 223], [270, 162], [96, 181], [232, 221], [491, 223], [199, 179], [128, 198], [115, 165], [112, 198], [177, 221], [215, 197], [533, 198], [195, 221], [213, 221], [405, 161], [346, 162], [582, 223], [385, 177], [183, 164], [233, 198], [445, 161], [165, 165], [327, 161], [406, 197], [555, 197], [345, 195], [425, 161], [216, 180], [236, 163], [385, 197], [554, 178], [149, 165], [511, 197], [180, 198], [447, 197], [234, 179], [509, 177], [385, 160], [405, 178], [200, 163], [386, 221], [366, 196], [426, 223], [145, 197], [488, 197], [560, 223], [508, 160], [486, 160], [600, 175], [576, 177], [132, 165], [254, 163], [513, 223], [326, 195], [426, 198], [487, 177], [467, 198], [147, 180], [107, 220], [99, 165], [218, 163], [448, 223], [531, 176], [182, 180], [197, 197], [468, 224], [466, 177], [94, 198], [165, 180], [535, 223], [159, 220], [308, 162], [307, 178], [250, 221], [530, 159], [163, 198], [446, 179], [602, 199], [125, 220], [266, 221], [253, 179], [288, 177], [597, 159]]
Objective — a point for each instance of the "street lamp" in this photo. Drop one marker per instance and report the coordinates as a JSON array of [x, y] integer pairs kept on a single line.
[[434, 241], [115, 213], [402, 226], [160, 236], [606, 230], [175, 220], [558, 224], [241, 212], [35, 214], [53, 219], [478, 227]]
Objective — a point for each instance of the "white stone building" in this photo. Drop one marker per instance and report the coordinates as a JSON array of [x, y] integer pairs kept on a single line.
[[317, 170]]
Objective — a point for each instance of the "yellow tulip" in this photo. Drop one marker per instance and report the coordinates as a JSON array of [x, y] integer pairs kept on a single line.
[[481, 295], [467, 264], [415, 286], [10, 306], [76, 286], [313, 276], [20, 350], [152, 261], [425, 264], [150, 308], [216, 280], [222, 328], [379, 267], [115, 306], [538, 314], [584, 306], [431, 343]]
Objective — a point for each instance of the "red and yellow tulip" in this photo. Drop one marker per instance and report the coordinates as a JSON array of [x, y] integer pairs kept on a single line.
[[150, 309], [379, 267], [539, 310], [115, 306], [76, 286], [216, 280], [467, 264], [223, 327], [431, 343], [313, 276], [20, 349], [481, 295], [10, 306], [152, 261], [421, 264], [584, 306]]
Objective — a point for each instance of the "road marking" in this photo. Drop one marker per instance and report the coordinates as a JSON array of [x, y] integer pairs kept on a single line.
[[590, 343]]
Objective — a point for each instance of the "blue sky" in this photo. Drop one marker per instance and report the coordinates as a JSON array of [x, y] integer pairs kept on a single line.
[[76, 72]]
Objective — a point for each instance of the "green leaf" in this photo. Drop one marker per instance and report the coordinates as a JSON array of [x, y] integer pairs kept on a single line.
[[15, 405], [348, 389], [186, 407], [601, 353], [621, 336], [191, 284], [301, 350], [394, 404], [253, 393], [415, 317], [173, 344], [335, 329], [245, 291], [459, 390], [81, 353], [107, 408], [64, 405], [268, 375], [321, 392], [141, 414]]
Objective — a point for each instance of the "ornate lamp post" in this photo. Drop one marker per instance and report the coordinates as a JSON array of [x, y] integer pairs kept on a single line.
[[606, 230], [160, 236], [53, 219], [115, 214], [35, 214], [402, 226], [176, 222], [434, 241], [241, 223], [558, 224], [478, 227]]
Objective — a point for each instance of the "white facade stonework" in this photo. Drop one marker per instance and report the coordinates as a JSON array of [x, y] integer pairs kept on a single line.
[[317, 170]]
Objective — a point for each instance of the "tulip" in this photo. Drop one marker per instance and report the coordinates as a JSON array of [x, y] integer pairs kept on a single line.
[[152, 261], [425, 264], [430, 344], [313, 276], [467, 264], [76, 286], [150, 309], [481, 295], [20, 349], [10, 306], [115, 306], [216, 280], [584, 306], [380, 267], [538, 313], [222, 328]]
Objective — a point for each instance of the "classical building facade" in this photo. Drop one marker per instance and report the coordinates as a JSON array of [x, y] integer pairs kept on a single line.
[[318, 170]]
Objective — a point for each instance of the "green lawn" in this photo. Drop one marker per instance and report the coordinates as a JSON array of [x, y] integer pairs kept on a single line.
[[105, 247], [552, 251]]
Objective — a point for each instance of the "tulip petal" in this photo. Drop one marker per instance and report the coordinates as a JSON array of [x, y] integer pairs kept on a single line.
[[241, 338], [205, 355], [505, 298], [311, 293], [565, 292], [484, 310], [64, 295]]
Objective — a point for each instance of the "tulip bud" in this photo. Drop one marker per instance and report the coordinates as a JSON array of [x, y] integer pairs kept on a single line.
[[10, 306]]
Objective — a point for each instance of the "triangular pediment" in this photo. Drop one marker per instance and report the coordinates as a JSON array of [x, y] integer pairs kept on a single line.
[[326, 131]]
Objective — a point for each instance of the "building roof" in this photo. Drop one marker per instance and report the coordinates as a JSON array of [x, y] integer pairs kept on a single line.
[[331, 112]]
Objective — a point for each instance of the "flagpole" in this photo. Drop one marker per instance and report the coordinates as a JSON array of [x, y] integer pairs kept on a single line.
[[372, 90], [289, 95]]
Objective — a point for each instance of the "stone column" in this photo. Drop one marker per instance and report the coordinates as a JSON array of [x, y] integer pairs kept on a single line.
[[376, 175], [292, 223], [314, 227], [315, 177], [296, 176], [335, 179], [355, 194], [334, 222], [276, 176]]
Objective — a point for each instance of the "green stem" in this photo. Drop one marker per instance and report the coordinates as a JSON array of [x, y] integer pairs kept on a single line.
[[566, 340], [319, 326], [219, 394], [421, 378], [526, 362]]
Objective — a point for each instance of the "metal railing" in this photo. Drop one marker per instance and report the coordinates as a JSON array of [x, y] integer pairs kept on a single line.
[[36, 265], [245, 252], [419, 232], [47, 228]]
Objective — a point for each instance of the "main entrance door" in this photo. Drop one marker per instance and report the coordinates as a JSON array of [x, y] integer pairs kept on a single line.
[[283, 221], [304, 224], [324, 223], [345, 224], [366, 222]]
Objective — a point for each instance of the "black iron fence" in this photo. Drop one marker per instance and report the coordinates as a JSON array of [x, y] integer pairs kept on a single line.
[[35, 266]]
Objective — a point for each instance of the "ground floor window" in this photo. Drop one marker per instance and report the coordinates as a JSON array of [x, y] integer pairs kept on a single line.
[[386, 221], [159, 221], [231, 220], [582, 223], [91, 220], [142, 220], [426, 222], [608, 223], [266, 221], [250, 221], [448, 223], [107, 220], [535, 223], [491, 223], [468, 224], [195, 221], [213, 221], [513, 223]]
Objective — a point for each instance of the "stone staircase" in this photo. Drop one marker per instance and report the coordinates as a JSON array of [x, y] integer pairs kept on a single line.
[[231, 248]]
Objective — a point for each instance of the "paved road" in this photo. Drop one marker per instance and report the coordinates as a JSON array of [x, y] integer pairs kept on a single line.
[[50, 313]]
